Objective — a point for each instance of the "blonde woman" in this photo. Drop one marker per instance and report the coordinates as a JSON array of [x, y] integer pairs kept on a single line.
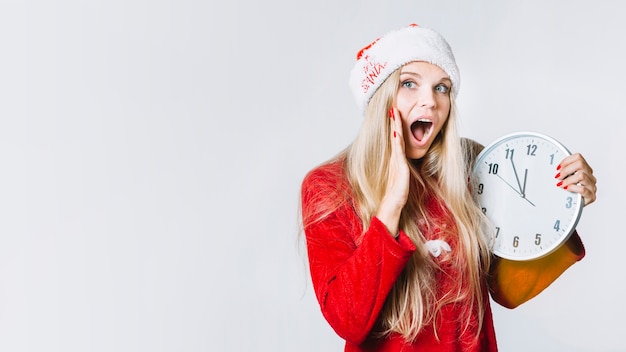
[[397, 248]]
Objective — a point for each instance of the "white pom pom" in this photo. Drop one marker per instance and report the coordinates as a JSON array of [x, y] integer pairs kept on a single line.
[[435, 247]]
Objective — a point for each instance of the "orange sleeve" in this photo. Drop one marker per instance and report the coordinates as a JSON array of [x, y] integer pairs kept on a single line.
[[514, 282]]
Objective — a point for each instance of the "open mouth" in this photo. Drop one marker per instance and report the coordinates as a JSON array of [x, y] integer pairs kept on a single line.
[[421, 129]]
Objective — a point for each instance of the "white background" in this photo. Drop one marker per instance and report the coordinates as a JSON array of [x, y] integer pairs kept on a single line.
[[151, 154]]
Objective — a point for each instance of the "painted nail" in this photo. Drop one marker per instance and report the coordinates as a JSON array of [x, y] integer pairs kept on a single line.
[[559, 184], [565, 187], [391, 114], [558, 167], [394, 134], [557, 175]]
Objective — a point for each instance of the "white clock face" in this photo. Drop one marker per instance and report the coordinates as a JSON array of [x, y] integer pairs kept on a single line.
[[514, 182]]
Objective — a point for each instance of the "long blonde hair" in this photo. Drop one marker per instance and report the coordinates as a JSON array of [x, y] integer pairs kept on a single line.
[[441, 174]]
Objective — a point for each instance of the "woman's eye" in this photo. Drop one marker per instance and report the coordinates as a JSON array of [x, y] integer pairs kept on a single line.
[[409, 84], [442, 88]]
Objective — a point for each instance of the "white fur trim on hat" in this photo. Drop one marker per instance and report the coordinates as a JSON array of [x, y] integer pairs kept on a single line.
[[378, 60]]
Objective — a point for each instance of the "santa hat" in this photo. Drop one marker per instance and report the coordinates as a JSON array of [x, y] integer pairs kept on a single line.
[[379, 59]]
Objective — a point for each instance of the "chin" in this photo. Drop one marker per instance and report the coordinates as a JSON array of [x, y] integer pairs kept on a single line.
[[416, 154]]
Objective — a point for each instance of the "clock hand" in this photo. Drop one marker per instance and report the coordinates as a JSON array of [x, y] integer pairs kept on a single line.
[[528, 200], [524, 187], [508, 184], [521, 192], [516, 191]]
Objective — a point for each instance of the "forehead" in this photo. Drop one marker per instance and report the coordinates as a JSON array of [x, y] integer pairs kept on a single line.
[[422, 68]]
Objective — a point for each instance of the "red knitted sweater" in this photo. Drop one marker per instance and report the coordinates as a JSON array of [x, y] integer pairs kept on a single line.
[[352, 281]]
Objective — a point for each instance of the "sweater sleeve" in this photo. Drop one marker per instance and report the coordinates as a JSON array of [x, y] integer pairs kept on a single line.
[[515, 282], [351, 281]]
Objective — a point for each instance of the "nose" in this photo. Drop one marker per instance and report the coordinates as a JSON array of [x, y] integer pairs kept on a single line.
[[426, 98]]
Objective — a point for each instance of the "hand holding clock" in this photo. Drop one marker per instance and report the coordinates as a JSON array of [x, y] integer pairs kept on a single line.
[[575, 175]]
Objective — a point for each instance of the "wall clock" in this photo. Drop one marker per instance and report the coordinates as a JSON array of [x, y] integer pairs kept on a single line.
[[513, 181]]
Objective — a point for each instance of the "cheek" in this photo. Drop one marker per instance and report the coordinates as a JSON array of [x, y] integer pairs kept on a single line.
[[404, 101], [444, 105], [406, 133], [404, 110], [406, 127]]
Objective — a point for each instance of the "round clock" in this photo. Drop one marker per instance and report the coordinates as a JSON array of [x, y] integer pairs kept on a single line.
[[513, 181]]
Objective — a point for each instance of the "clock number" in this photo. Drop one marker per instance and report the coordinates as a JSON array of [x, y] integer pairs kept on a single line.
[[484, 210], [531, 149], [481, 187], [515, 241], [493, 168], [551, 159], [557, 225], [497, 231], [568, 204], [509, 153], [538, 239]]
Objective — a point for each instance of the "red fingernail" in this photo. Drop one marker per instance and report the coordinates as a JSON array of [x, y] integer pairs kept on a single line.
[[565, 187], [557, 175], [391, 114], [394, 134], [558, 167], [559, 184]]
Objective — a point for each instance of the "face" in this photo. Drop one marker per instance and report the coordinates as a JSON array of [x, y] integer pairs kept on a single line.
[[423, 101]]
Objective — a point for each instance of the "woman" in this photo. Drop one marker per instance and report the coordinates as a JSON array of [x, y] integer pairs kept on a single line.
[[395, 241]]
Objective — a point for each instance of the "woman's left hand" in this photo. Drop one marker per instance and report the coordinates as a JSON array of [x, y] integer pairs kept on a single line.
[[575, 175]]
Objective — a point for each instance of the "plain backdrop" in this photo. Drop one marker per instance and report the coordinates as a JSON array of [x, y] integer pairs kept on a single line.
[[151, 154]]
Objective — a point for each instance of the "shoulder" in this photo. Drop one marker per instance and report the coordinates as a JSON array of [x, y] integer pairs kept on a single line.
[[324, 190], [471, 148], [330, 175]]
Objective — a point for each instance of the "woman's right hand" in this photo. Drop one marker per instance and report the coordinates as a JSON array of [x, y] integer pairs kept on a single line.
[[397, 190]]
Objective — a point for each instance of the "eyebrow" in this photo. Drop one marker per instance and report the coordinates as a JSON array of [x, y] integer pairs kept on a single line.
[[444, 78]]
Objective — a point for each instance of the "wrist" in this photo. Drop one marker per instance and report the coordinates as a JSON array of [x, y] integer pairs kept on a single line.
[[390, 217]]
